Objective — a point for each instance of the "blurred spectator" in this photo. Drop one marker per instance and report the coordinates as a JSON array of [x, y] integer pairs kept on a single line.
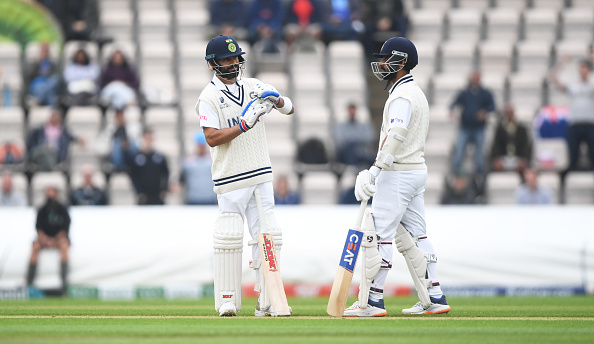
[[116, 141], [9, 197], [303, 21], [88, 193], [149, 173], [283, 194], [531, 192], [581, 111], [81, 76], [264, 21], [119, 82], [342, 20], [227, 17], [196, 174], [79, 18], [512, 146], [459, 189], [354, 139], [10, 153], [48, 146], [383, 19], [52, 225], [476, 103], [43, 79]]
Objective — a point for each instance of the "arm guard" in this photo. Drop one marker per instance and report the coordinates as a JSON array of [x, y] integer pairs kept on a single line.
[[385, 157]]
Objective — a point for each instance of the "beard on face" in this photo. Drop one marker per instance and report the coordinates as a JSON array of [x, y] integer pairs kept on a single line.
[[229, 72]]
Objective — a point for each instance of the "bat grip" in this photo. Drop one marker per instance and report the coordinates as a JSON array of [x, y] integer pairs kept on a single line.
[[360, 214], [260, 210]]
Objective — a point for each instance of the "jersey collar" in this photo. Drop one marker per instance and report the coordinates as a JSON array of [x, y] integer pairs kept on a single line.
[[237, 99], [403, 80]]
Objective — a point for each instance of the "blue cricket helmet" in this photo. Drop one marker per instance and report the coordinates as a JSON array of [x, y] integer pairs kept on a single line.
[[400, 50], [222, 47]]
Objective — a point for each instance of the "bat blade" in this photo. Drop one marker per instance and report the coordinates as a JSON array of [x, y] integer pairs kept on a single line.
[[272, 275], [344, 274]]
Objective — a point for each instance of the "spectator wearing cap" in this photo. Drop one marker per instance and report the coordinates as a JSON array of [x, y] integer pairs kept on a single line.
[[196, 174]]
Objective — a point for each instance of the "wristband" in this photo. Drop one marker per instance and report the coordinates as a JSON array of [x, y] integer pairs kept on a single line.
[[374, 171], [287, 107]]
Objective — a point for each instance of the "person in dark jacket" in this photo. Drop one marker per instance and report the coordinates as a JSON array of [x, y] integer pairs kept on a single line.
[[119, 82], [52, 225], [476, 103], [48, 146], [149, 173], [512, 147], [88, 193]]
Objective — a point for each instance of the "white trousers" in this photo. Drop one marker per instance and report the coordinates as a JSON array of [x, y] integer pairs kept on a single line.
[[400, 199], [243, 201]]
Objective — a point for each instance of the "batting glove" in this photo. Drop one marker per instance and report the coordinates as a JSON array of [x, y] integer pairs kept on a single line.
[[252, 113], [365, 184], [269, 93]]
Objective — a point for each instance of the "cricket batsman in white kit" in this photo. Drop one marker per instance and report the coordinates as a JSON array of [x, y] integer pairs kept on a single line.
[[230, 108], [397, 183]]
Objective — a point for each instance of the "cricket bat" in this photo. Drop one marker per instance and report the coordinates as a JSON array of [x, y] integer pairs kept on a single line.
[[344, 274], [270, 266]]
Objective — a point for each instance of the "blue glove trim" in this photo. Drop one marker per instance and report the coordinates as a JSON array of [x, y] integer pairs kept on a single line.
[[270, 93], [248, 106]]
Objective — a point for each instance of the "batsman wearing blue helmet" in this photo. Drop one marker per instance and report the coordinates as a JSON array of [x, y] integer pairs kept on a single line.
[[397, 183], [231, 109]]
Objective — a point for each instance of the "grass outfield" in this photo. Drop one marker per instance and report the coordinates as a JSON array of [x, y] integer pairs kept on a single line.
[[472, 320]]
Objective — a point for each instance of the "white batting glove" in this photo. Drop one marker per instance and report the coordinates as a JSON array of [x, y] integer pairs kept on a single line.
[[268, 92], [252, 113], [365, 184]]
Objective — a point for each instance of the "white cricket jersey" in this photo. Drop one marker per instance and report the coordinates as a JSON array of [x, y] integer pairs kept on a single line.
[[411, 155], [244, 161]]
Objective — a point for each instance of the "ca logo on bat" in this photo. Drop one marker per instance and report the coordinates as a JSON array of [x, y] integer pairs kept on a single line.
[[351, 250]]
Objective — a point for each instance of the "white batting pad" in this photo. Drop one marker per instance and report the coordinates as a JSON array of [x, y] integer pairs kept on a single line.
[[228, 245], [416, 260], [371, 259]]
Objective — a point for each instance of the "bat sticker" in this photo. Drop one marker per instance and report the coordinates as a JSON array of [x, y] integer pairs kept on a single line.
[[351, 250]]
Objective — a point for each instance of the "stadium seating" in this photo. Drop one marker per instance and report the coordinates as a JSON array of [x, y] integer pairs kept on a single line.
[[513, 43]]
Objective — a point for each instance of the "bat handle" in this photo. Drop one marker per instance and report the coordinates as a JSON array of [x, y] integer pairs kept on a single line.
[[260, 210], [357, 225]]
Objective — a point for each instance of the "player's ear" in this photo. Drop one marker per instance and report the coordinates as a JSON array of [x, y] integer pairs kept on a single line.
[[210, 66]]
